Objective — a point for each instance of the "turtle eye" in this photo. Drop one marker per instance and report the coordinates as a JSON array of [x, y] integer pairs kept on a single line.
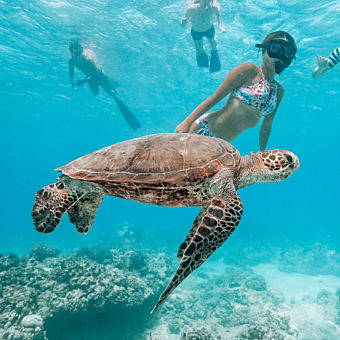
[[289, 158]]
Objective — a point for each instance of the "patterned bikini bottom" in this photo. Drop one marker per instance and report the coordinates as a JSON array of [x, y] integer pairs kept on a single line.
[[203, 124]]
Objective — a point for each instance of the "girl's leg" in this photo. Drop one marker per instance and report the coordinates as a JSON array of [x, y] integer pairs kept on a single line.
[[213, 43], [201, 56], [215, 64], [194, 127], [325, 64], [211, 38], [94, 86], [108, 86], [199, 46], [334, 58], [200, 126]]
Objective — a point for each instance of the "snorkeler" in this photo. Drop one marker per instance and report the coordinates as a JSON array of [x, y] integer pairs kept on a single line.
[[325, 64], [200, 13], [254, 93], [96, 78]]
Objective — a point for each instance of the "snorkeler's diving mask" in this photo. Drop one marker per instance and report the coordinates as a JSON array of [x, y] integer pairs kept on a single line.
[[280, 49]]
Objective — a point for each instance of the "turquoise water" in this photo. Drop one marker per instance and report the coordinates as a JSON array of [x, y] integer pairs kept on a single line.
[[291, 226]]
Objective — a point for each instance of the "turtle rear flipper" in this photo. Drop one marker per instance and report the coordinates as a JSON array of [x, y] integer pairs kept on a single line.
[[192, 232], [83, 212], [51, 202], [218, 222]]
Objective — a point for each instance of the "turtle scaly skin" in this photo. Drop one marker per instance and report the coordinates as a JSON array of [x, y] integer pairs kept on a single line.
[[173, 170]]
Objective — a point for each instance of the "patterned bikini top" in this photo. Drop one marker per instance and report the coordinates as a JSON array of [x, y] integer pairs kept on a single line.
[[262, 95]]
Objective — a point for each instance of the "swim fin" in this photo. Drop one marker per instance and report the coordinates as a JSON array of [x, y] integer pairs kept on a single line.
[[127, 114], [202, 59], [215, 64]]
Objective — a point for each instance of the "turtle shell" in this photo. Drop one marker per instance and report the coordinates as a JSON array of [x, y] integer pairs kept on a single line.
[[169, 158]]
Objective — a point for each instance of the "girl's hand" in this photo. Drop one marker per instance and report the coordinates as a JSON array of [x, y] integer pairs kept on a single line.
[[81, 82], [222, 29], [183, 127]]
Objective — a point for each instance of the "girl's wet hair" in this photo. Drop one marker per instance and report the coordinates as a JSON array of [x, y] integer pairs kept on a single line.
[[211, 2], [75, 45], [278, 35]]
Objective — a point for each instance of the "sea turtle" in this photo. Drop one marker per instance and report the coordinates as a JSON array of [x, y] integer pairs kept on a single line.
[[170, 169]]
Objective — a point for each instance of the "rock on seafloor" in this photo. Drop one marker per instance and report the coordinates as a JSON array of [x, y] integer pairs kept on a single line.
[[32, 321]]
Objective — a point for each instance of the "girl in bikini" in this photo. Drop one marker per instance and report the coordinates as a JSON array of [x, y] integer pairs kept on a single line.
[[253, 93]]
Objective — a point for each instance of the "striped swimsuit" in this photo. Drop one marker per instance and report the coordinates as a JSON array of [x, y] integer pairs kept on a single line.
[[334, 58]]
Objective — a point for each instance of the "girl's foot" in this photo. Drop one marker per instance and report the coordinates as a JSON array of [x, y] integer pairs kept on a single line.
[[322, 67]]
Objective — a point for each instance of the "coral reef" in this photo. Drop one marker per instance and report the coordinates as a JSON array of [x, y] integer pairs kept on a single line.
[[235, 304], [98, 293], [44, 294], [199, 334], [40, 252]]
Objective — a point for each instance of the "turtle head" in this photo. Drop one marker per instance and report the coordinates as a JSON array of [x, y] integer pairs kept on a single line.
[[266, 166], [277, 165]]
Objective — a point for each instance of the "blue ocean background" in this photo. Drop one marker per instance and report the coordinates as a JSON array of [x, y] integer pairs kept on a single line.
[[141, 45]]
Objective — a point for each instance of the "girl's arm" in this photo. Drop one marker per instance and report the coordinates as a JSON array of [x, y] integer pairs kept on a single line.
[[219, 18], [186, 16], [71, 71], [83, 81], [238, 76], [266, 125]]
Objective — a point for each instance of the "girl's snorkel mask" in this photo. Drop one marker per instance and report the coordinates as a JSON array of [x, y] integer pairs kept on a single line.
[[281, 49]]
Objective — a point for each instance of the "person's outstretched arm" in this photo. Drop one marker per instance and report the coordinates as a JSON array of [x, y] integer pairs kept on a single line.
[[219, 18], [266, 125], [83, 81], [71, 71], [186, 16], [234, 80]]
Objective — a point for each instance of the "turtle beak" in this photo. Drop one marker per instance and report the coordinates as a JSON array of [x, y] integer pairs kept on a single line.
[[296, 163], [293, 161]]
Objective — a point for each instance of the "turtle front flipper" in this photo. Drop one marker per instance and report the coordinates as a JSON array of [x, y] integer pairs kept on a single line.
[[221, 218], [72, 195], [192, 232], [51, 202], [83, 212]]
